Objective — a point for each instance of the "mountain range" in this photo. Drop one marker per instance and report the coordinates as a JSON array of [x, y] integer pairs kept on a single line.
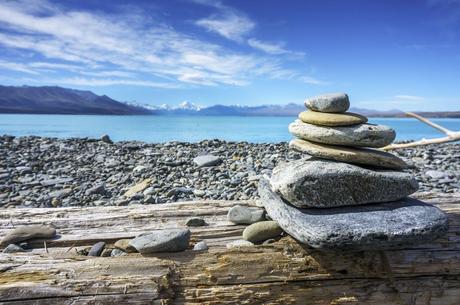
[[57, 100]]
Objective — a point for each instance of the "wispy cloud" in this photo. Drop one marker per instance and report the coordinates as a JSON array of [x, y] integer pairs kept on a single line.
[[312, 81], [272, 48], [403, 97], [16, 67], [96, 82], [100, 49], [230, 26], [226, 22]]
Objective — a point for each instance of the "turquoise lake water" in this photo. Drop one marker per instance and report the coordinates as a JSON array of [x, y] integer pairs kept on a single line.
[[157, 129]]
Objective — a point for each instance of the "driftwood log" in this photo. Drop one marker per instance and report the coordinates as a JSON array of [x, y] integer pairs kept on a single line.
[[284, 272], [451, 136]]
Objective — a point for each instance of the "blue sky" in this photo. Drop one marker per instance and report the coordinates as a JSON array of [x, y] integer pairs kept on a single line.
[[401, 54]]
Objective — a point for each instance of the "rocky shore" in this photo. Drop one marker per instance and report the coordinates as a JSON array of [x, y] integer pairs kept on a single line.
[[49, 172]]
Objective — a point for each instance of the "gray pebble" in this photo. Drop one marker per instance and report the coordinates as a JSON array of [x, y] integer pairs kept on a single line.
[[96, 249], [244, 215], [12, 248], [200, 246], [195, 222], [207, 160]]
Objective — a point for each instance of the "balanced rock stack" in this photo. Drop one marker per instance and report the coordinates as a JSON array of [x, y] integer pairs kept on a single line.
[[345, 193]]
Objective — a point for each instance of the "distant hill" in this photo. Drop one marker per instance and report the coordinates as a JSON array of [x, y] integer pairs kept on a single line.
[[57, 100], [277, 110], [232, 110]]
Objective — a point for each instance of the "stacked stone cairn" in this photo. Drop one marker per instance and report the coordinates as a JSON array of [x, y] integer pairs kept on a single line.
[[344, 193]]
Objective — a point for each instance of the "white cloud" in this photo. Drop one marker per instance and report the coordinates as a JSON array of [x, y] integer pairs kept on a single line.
[[50, 65], [408, 97], [228, 22], [120, 49], [230, 26], [112, 73], [79, 81], [312, 81], [271, 48], [16, 67]]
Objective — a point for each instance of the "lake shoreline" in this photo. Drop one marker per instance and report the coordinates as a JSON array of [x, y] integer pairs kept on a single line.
[[160, 129], [51, 172]]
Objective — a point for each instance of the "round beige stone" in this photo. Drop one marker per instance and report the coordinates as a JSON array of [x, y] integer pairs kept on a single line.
[[332, 119], [261, 231], [364, 156], [123, 244]]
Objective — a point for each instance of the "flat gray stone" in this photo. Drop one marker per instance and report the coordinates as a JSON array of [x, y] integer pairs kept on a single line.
[[50, 182], [97, 189], [28, 232], [207, 160], [434, 174], [361, 135], [239, 214], [356, 155], [366, 227], [324, 184], [330, 102], [12, 248], [167, 240]]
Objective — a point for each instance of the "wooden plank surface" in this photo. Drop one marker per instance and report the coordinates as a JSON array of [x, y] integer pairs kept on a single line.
[[284, 272]]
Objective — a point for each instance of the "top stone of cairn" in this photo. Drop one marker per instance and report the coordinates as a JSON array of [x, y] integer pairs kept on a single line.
[[331, 102]]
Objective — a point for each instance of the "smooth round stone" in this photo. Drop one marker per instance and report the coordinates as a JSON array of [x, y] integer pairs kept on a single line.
[[331, 102], [195, 222], [332, 119], [97, 249], [261, 231], [239, 214], [123, 244], [200, 246], [396, 224], [309, 184], [362, 135], [240, 243], [364, 156]]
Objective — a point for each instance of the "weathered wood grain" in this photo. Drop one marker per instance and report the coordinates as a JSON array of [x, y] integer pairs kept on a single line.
[[284, 272]]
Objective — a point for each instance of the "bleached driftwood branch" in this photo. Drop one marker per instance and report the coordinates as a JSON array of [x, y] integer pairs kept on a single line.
[[451, 136]]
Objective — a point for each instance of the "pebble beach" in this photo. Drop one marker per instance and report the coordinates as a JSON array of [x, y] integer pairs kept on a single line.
[[51, 172]]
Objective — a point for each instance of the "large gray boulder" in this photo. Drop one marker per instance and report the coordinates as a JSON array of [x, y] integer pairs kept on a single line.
[[167, 240], [330, 102], [361, 135], [366, 227], [326, 184]]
